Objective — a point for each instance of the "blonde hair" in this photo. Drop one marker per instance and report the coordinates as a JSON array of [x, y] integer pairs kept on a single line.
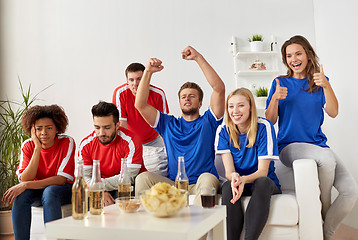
[[231, 126]]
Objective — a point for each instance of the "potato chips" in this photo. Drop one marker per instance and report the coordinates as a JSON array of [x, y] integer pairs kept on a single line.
[[163, 200]]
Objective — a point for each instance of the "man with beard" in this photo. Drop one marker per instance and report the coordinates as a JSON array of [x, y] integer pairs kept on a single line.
[[191, 135], [109, 143]]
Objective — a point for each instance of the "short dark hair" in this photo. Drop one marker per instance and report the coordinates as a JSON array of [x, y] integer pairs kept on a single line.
[[104, 109], [134, 67], [54, 112], [192, 85]]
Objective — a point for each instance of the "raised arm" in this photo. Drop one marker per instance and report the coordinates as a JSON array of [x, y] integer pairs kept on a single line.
[[217, 100], [331, 100], [272, 110], [148, 112]]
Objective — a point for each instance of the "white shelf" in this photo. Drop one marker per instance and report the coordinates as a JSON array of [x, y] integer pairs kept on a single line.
[[256, 72], [246, 54]]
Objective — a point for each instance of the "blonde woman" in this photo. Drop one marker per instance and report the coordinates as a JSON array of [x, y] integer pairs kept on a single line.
[[247, 145]]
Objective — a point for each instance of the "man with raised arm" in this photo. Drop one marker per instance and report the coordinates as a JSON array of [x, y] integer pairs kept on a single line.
[[154, 155], [190, 135]]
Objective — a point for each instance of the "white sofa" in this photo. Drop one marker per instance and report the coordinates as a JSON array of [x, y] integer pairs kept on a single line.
[[296, 213]]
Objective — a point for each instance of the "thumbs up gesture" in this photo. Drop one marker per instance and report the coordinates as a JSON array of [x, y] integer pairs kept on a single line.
[[281, 92], [320, 79]]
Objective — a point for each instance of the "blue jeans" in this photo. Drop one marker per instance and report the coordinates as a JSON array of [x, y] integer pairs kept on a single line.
[[51, 198]]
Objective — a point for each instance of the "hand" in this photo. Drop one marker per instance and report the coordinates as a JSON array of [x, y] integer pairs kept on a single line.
[[34, 137], [320, 79], [237, 187], [280, 92], [108, 199], [154, 65], [13, 192], [190, 53]]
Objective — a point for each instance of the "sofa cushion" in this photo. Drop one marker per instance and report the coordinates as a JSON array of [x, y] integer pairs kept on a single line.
[[283, 209]]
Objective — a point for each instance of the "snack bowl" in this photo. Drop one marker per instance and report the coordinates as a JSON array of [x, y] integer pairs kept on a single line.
[[163, 200], [128, 204]]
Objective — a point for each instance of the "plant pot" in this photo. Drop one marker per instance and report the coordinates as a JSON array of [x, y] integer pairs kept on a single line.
[[261, 102], [6, 223], [256, 46]]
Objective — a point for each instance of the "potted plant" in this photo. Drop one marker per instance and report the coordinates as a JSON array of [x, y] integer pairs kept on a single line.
[[256, 43], [261, 97], [11, 138]]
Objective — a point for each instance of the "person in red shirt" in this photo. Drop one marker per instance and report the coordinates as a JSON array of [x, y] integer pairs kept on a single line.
[[46, 169], [109, 143], [154, 154]]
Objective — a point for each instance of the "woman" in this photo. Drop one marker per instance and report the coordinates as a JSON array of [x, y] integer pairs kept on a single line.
[[297, 100], [247, 145], [46, 169]]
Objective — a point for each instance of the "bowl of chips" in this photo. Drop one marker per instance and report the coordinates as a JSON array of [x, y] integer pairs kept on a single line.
[[128, 204], [163, 200]]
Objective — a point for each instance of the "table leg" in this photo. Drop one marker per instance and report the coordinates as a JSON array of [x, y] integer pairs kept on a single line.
[[219, 231]]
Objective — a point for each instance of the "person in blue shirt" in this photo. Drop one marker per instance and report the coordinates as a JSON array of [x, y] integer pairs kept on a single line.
[[298, 100], [190, 135], [247, 145]]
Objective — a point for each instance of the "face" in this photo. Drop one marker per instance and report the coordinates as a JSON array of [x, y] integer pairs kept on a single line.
[[297, 60], [133, 79], [105, 129], [46, 132], [239, 111], [189, 101]]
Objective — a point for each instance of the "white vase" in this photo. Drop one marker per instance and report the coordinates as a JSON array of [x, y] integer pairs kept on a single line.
[[256, 46], [261, 102]]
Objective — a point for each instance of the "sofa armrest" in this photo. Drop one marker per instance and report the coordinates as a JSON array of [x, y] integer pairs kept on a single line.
[[308, 199]]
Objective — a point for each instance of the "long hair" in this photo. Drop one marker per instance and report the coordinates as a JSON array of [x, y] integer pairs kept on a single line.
[[252, 128], [312, 65]]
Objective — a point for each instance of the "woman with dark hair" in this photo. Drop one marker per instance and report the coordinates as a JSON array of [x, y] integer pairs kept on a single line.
[[297, 100], [46, 169], [247, 145]]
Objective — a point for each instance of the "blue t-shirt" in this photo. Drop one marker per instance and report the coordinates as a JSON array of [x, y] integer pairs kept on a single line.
[[194, 140], [300, 113], [246, 159]]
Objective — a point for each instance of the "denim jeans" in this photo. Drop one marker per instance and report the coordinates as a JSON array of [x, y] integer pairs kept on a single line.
[[51, 198]]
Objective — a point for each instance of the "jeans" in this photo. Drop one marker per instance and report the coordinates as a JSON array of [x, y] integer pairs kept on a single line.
[[51, 198], [331, 173], [257, 210]]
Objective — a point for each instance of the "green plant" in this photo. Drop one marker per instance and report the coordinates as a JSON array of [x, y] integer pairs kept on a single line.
[[256, 37], [261, 92], [11, 137]]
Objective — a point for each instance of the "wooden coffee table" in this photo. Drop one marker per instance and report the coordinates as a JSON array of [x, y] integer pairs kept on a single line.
[[191, 223]]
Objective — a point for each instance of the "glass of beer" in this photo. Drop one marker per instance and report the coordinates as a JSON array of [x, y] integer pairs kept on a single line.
[[207, 197]]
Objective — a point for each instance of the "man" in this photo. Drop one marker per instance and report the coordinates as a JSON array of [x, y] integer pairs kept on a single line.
[[191, 135], [109, 143], [124, 97]]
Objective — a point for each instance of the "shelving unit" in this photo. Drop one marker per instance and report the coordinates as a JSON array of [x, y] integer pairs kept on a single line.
[[253, 79]]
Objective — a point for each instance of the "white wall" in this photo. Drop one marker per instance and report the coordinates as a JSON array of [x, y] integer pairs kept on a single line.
[[83, 47], [336, 21]]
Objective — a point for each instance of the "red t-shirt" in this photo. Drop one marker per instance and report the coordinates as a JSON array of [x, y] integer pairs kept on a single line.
[[124, 99], [57, 160], [125, 145]]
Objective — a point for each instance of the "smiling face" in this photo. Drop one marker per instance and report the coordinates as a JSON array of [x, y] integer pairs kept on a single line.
[[133, 80], [105, 129], [238, 108], [189, 101], [297, 60], [46, 132]]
